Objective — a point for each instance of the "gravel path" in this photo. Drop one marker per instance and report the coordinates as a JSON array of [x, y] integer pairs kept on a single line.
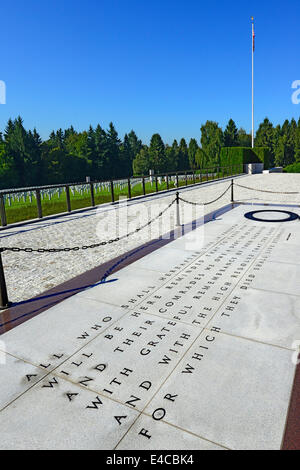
[[28, 275]]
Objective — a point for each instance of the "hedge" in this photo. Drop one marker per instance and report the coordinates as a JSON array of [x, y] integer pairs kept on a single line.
[[294, 168], [231, 156]]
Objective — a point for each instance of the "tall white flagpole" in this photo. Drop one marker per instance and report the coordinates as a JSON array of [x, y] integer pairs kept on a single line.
[[253, 36]]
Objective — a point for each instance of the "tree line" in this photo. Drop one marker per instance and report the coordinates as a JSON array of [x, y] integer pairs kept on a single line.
[[69, 156]]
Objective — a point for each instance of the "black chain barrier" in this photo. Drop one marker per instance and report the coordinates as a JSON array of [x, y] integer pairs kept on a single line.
[[108, 242], [86, 247], [206, 203], [264, 190], [4, 303]]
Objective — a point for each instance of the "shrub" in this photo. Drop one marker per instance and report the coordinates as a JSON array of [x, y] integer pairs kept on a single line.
[[294, 168], [232, 156]]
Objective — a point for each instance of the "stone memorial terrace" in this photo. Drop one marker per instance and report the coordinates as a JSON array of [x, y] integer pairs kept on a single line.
[[185, 341]]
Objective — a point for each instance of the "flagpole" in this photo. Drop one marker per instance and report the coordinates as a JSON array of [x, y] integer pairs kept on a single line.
[[252, 83]]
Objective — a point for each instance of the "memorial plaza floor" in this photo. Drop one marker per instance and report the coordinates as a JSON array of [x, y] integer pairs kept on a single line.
[[190, 344]]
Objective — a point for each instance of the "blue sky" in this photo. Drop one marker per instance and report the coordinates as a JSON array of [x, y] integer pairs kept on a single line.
[[157, 66]]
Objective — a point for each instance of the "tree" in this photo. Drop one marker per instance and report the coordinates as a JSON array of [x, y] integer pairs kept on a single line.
[[244, 139], [17, 148], [192, 150], [201, 159], [141, 163], [297, 142], [231, 137], [157, 154], [135, 144], [183, 156], [113, 144], [212, 141], [130, 148]]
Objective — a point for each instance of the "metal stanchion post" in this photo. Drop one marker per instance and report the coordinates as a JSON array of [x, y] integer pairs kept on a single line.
[[4, 303], [68, 199], [2, 212], [92, 195], [129, 189], [144, 187], [177, 211], [232, 195], [39, 204], [112, 192]]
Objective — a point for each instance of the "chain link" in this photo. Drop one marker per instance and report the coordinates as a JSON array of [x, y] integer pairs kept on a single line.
[[264, 190], [205, 203], [86, 247], [114, 240]]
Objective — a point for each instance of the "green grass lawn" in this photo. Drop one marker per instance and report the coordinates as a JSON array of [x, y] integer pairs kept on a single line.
[[25, 210]]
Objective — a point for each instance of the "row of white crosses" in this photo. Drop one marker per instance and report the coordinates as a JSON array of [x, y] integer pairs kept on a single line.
[[84, 189]]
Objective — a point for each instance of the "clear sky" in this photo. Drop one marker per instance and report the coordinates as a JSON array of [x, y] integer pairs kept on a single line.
[[152, 66]]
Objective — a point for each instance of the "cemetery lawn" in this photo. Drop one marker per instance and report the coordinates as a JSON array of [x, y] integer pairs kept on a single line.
[[21, 211]]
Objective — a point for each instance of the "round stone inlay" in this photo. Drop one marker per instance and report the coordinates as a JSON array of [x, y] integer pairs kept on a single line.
[[272, 216]]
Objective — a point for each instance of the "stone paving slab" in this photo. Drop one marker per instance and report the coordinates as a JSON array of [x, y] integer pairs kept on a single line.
[[55, 414], [16, 378], [230, 390], [269, 317], [272, 275], [52, 337], [120, 362], [148, 434], [191, 346]]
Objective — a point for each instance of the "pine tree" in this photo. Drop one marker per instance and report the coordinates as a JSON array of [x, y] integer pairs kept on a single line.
[[135, 144], [183, 156], [113, 144], [157, 153], [192, 150], [231, 137], [297, 143]]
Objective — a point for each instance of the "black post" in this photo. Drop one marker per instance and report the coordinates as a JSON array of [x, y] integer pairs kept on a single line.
[[156, 184], [112, 191], [144, 187], [4, 303], [129, 189], [200, 176], [68, 199], [177, 211], [2, 212], [232, 195], [167, 181], [186, 181], [92, 195], [194, 177], [177, 181], [39, 204]]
